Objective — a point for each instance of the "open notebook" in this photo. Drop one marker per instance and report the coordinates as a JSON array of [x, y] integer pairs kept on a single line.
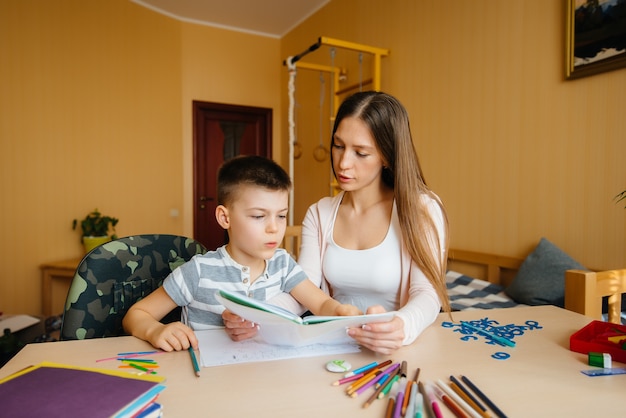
[[281, 327]]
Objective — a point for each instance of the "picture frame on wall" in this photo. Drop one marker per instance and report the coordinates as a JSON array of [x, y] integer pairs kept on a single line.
[[596, 37]]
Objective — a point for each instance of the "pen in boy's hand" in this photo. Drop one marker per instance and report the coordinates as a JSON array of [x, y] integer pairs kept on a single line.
[[194, 361]]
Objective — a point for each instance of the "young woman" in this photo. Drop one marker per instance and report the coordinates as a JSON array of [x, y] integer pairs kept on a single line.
[[381, 243]]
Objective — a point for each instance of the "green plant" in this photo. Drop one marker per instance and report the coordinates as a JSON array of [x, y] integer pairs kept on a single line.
[[620, 197], [97, 225]]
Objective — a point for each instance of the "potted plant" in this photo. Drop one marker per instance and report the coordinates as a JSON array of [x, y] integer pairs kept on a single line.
[[96, 228]]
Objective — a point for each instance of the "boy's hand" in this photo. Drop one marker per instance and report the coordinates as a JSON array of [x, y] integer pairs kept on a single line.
[[347, 310], [175, 336], [237, 328]]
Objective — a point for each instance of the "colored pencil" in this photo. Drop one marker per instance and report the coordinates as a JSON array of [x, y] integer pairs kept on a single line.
[[410, 408], [456, 409], [136, 360], [390, 405], [407, 393], [348, 379], [367, 385], [350, 390], [484, 397], [132, 353], [467, 393], [417, 375], [128, 366], [373, 371], [461, 393], [458, 400], [388, 375], [143, 369], [361, 369], [382, 381], [194, 361], [118, 357], [388, 386]]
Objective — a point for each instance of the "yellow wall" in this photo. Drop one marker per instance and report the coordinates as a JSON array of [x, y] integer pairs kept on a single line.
[[95, 111], [226, 67], [514, 150]]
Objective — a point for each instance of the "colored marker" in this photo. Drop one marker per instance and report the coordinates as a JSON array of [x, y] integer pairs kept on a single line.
[[397, 412], [419, 405], [496, 338], [432, 401]]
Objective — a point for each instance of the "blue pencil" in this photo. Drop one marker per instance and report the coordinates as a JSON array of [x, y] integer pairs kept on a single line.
[[194, 361], [361, 369]]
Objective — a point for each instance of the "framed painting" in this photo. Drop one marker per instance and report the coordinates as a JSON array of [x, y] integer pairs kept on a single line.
[[596, 36]]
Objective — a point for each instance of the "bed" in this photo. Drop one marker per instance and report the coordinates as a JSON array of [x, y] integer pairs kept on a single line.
[[477, 281]]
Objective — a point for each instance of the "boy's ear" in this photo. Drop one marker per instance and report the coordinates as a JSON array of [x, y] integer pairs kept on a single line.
[[221, 214]]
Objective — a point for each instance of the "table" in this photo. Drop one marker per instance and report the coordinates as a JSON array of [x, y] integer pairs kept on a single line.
[[55, 271], [541, 378]]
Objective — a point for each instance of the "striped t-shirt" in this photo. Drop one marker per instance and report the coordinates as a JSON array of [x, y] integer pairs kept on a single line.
[[194, 284]]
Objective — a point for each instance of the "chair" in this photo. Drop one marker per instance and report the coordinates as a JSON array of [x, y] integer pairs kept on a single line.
[[292, 240], [114, 275], [584, 291]]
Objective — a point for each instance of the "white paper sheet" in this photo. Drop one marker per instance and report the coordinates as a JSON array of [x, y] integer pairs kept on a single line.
[[217, 349], [17, 322]]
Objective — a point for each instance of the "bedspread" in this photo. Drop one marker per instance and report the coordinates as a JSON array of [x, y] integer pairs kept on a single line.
[[470, 293]]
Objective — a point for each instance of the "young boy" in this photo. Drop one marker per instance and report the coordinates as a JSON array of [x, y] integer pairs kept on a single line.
[[252, 206]]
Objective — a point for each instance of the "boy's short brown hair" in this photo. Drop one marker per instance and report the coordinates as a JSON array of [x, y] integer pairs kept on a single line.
[[252, 170]]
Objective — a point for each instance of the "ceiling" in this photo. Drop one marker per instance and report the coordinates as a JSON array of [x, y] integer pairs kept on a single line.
[[273, 18]]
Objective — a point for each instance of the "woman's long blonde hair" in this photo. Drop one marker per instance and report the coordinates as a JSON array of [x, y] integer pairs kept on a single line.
[[388, 122]]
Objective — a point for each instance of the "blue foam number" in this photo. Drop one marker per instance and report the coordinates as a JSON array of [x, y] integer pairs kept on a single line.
[[500, 355]]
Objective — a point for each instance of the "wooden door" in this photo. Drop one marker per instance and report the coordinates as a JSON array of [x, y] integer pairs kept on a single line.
[[220, 132]]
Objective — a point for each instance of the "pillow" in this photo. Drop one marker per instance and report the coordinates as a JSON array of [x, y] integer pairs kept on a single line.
[[540, 279]]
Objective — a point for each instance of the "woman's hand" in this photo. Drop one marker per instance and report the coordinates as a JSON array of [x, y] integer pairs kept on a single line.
[[381, 337], [237, 328]]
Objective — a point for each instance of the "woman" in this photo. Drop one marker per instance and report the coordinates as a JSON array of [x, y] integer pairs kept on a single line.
[[381, 243]]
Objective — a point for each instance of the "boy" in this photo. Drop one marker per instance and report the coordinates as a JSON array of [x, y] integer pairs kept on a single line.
[[252, 206]]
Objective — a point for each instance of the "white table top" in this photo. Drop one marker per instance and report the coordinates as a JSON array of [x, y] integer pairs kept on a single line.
[[540, 378]]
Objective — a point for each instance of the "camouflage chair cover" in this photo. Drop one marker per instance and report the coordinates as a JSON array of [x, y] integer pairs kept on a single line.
[[117, 274]]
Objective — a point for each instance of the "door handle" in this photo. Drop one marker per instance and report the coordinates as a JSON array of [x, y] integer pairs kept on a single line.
[[204, 199]]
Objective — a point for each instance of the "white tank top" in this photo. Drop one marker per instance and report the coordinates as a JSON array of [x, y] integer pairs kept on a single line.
[[366, 277]]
